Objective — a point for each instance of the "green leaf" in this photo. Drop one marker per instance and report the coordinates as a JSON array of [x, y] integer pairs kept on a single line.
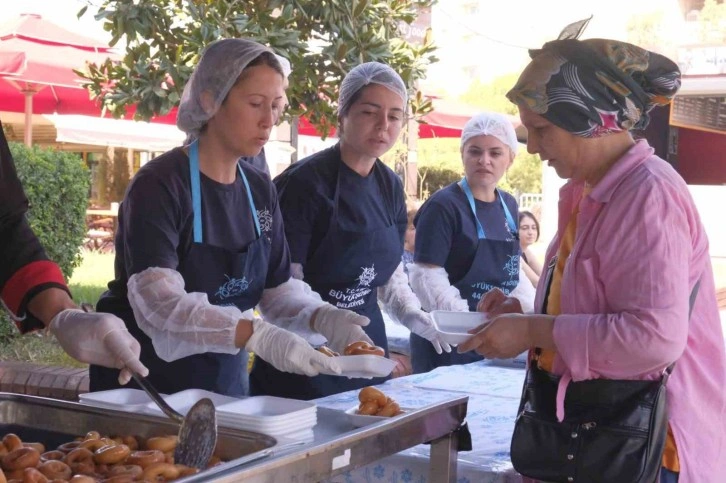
[[164, 39], [359, 8]]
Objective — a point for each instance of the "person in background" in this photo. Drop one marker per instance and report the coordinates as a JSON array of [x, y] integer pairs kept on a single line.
[[34, 291], [466, 239], [201, 243], [260, 161], [409, 239], [401, 351], [617, 300], [345, 218], [528, 235]]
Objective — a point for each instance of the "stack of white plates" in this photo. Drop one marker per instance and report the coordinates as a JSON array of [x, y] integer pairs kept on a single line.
[[183, 401], [274, 416]]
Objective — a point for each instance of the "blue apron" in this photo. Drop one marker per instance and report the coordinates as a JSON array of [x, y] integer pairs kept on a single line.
[[346, 270], [228, 278], [495, 264]]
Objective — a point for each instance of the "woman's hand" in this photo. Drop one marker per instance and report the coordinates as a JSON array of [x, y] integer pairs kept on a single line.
[[403, 365], [495, 302], [509, 335]]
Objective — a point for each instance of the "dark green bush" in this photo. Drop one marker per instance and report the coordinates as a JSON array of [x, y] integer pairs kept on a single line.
[[56, 184], [433, 178]]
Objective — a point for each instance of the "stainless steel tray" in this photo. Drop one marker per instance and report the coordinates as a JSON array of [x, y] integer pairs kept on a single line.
[[53, 422], [337, 446]]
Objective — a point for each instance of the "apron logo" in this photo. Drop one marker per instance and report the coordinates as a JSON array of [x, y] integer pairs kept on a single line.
[[232, 288], [265, 220], [512, 265], [367, 276]]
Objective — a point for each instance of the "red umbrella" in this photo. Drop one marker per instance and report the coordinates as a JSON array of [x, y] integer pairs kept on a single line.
[[37, 58], [446, 120], [449, 117]]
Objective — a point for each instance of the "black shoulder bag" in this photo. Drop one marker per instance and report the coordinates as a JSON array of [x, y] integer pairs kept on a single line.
[[613, 431]]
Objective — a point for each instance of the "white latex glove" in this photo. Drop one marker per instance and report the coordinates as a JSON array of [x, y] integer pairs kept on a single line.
[[341, 327], [288, 352], [291, 305], [433, 288], [420, 323], [402, 305], [98, 338]]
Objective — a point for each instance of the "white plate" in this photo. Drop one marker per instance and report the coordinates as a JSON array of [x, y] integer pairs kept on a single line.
[[183, 401], [366, 366], [124, 399], [453, 327], [272, 431], [289, 425], [267, 409], [360, 420], [307, 417]]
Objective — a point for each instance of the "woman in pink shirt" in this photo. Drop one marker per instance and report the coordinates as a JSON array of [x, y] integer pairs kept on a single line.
[[630, 247]]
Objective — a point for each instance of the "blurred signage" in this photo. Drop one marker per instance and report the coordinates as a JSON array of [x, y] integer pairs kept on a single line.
[[702, 59], [415, 32], [699, 112]]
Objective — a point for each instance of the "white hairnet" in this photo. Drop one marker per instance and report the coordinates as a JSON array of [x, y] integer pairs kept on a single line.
[[285, 64], [491, 124], [219, 68], [369, 73]]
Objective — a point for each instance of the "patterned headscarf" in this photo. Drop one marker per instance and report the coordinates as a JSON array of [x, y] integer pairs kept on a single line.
[[595, 87]]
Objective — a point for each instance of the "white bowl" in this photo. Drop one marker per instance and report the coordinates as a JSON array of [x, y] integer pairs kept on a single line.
[[454, 327], [360, 420], [366, 366]]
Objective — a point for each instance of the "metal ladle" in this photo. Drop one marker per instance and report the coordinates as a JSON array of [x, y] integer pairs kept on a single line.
[[197, 436], [198, 431]]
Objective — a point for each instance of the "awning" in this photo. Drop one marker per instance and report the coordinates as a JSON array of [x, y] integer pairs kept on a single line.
[[141, 136], [703, 86]]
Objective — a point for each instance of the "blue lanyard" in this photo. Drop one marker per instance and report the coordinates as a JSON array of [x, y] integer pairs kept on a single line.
[[479, 228], [197, 193]]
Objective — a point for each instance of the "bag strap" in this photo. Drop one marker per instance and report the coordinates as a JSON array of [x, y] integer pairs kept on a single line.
[[691, 303]]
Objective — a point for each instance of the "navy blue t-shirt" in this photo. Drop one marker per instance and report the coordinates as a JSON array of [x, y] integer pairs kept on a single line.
[[307, 189], [259, 161], [156, 219], [446, 232]]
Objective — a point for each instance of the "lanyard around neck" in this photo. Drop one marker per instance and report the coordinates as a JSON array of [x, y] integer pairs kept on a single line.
[[479, 228], [197, 193]]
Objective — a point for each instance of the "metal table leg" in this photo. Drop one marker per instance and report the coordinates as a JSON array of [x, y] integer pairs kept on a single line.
[[443, 459]]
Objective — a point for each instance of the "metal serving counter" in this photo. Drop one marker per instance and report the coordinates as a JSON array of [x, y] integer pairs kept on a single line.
[[337, 447]]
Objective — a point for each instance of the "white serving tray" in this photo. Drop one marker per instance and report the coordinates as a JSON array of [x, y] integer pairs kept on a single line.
[[360, 420], [453, 327], [123, 399], [366, 366]]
